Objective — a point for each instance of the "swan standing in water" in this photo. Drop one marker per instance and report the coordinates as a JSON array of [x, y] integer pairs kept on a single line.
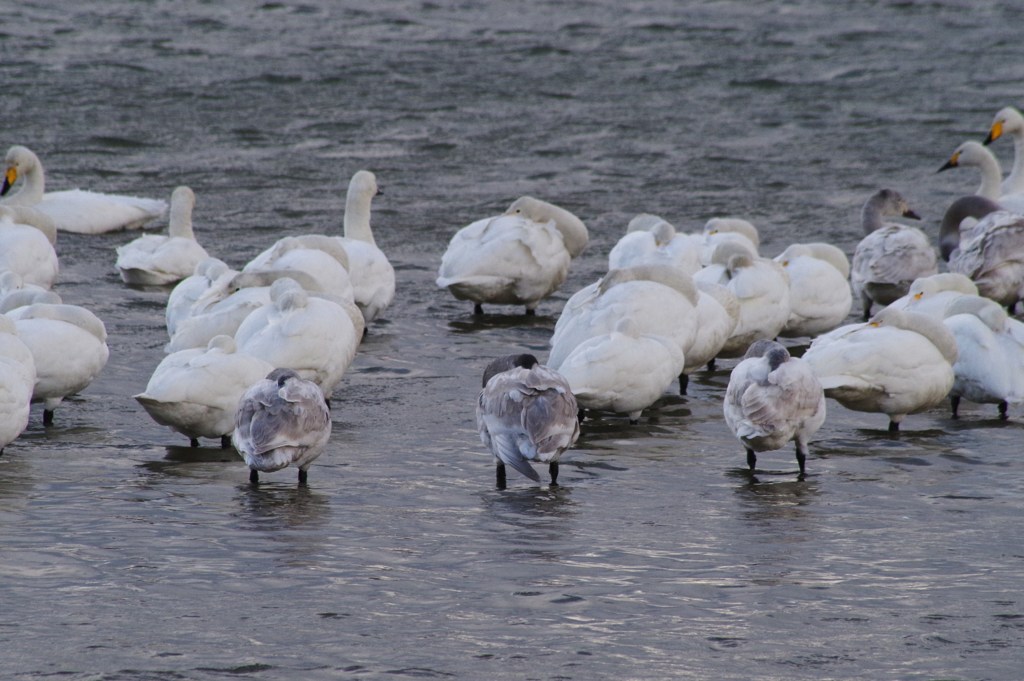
[[1009, 121], [517, 258], [157, 260], [771, 399], [819, 295], [891, 255], [526, 412], [990, 253], [69, 346], [281, 420], [196, 391], [624, 371], [74, 210], [990, 354], [899, 363]]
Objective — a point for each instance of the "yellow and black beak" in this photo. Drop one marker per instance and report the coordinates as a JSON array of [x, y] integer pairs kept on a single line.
[[10, 177], [953, 162], [911, 214], [995, 133]]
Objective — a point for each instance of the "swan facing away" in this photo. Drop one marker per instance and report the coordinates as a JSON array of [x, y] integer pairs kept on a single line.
[[819, 295], [73, 210], [17, 379], [891, 255], [771, 399], [157, 260], [990, 253], [989, 368], [526, 412], [69, 346], [517, 258], [25, 247], [899, 363], [281, 420], [196, 391]]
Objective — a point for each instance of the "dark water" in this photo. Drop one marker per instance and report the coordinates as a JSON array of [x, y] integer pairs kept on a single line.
[[126, 555]]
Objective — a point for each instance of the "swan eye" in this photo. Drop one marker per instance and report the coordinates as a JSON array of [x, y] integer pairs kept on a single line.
[[785, 263]]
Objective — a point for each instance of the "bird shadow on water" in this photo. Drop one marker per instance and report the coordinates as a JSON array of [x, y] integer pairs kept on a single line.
[[528, 518], [269, 506]]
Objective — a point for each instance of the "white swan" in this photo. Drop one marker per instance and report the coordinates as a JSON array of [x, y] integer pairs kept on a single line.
[[14, 292], [891, 255], [517, 258], [281, 420], [623, 371], [190, 289], [25, 249], [74, 210], [931, 295], [650, 240], [990, 354], [728, 230], [157, 260], [17, 380], [899, 363], [526, 412], [771, 399], [1009, 121], [761, 287], [991, 252], [974, 154], [314, 336], [373, 277], [196, 391], [660, 300], [819, 294], [69, 345], [316, 255]]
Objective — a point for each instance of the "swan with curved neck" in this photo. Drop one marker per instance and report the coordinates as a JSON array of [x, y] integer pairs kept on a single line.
[[978, 156], [975, 207]]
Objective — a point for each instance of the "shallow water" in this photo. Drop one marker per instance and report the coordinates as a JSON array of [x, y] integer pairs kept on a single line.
[[127, 555]]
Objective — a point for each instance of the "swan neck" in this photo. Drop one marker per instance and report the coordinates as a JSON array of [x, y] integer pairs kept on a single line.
[[975, 207], [357, 217], [180, 221], [871, 215], [1014, 183], [991, 178]]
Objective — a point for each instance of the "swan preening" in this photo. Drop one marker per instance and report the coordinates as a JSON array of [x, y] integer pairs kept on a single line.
[[525, 412], [516, 258], [772, 399], [73, 210], [281, 420]]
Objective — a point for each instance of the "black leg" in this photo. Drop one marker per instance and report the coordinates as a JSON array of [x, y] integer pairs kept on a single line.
[[499, 470], [894, 427], [751, 459], [801, 459], [530, 312], [193, 442], [1003, 406], [867, 306], [684, 381], [553, 469], [711, 364], [478, 308], [254, 476], [47, 417], [954, 402], [303, 476], [225, 441]]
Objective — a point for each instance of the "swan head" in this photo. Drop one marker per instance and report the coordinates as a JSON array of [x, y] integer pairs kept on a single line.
[[19, 161], [764, 347], [988, 311], [723, 252], [364, 183], [734, 225], [944, 281], [507, 363], [574, 232], [287, 294], [792, 252], [282, 375], [222, 343], [1007, 120], [932, 329], [645, 222], [884, 202], [970, 153]]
